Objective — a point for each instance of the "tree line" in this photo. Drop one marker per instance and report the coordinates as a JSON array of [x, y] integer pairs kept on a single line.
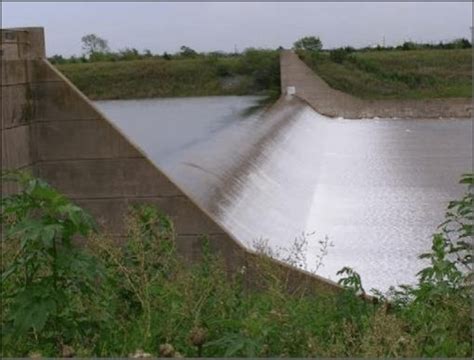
[[96, 49]]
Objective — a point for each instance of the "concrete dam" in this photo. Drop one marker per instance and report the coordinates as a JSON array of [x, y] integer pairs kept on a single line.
[[376, 188]]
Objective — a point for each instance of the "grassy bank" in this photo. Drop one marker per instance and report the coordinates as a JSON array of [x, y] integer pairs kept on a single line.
[[395, 74], [256, 72], [385, 74], [142, 298]]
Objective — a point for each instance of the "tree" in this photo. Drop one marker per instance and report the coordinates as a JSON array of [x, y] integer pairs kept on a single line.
[[308, 43], [57, 59], [409, 45], [461, 44], [92, 44], [187, 52], [129, 54]]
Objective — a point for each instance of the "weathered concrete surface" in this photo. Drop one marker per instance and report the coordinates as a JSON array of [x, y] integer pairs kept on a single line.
[[15, 105], [16, 102], [83, 139], [334, 103], [51, 128], [15, 147]]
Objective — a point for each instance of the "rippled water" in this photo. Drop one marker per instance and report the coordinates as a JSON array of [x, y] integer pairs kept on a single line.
[[376, 188]]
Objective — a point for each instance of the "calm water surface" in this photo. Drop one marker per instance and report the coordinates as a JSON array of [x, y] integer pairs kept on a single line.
[[376, 189]]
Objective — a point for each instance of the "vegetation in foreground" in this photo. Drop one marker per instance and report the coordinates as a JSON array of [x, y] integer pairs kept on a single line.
[[396, 74], [141, 299]]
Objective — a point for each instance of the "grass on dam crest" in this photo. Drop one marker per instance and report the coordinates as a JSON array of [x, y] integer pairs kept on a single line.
[[414, 74], [105, 300]]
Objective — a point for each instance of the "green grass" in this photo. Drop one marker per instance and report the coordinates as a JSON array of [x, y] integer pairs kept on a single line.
[[256, 72], [417, 74], [151, 78]]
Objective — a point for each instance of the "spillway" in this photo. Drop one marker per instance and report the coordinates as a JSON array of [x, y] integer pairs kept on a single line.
[[376, 189]]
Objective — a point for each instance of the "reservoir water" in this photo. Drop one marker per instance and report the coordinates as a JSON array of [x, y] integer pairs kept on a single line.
[[376, 189]]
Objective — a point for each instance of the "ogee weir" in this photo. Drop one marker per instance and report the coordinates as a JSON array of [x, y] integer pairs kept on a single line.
[[377, 189]]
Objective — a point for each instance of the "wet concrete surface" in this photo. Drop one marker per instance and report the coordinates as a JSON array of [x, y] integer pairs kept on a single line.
[[377, 189]]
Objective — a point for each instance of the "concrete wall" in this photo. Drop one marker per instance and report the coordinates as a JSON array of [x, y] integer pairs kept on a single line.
[[334, 103], [16, 99], [51, 128]]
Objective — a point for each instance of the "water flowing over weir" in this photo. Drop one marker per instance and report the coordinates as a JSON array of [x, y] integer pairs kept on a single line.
[[376, 188]]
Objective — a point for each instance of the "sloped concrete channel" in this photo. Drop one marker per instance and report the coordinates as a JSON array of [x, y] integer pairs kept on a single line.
[[376, 188]]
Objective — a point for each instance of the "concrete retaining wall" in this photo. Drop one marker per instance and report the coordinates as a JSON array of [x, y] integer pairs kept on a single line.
[[334, 103], [50, 127], [17, 102]]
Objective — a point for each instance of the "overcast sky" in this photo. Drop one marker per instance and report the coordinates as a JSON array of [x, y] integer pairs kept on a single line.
[[221, 26]]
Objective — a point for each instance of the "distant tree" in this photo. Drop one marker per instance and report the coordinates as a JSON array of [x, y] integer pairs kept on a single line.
[[166, 56], [187, 52], [129, 54], [308, 43], [409, 45], [92, 43], [462, 43], [57, 59]]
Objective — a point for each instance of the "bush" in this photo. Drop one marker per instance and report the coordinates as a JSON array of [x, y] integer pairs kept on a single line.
[[263, 66], [340, 55], [49, 287]]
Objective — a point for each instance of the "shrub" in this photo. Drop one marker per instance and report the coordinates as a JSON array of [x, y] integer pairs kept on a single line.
[[339, 55], [263, 66], [49, 287]]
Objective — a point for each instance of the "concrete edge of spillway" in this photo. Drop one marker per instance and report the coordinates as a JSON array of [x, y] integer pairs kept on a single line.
[[51, 129], [298, 79]]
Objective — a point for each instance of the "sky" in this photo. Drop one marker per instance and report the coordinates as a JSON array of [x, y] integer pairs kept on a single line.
[[209, 26]]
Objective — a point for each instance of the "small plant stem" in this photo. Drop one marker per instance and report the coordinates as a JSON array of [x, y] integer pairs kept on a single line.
[[55, 270]]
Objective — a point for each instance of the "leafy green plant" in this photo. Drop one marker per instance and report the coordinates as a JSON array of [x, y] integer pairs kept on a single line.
[[47, 282], [437, 308], [452, 246], [352, 281], [457, 230], [234, 345]]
